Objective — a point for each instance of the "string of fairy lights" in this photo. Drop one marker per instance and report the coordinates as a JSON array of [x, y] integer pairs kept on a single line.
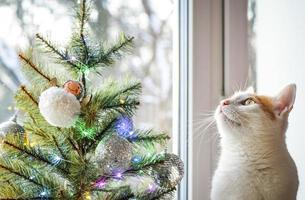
[[124, 127]]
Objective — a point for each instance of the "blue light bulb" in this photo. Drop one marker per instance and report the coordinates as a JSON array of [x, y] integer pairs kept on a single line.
[[56, 159], [124, 126], [136, 159], [45, 192]]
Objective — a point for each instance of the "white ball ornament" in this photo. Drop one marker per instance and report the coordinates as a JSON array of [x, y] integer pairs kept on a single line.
[[58, 107]]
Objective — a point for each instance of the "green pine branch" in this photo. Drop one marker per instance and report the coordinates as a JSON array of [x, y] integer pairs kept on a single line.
[[147, 160], [109, 56], [19, 174], [13, 180], [149, 141], [37, 154], [83, 16], [150, 136], [24, 173], [61, 56], [29, 96], [50, 139], [63, 152], [9, 191], [91, 143], [33, 67], [37, 76], [113, 97]]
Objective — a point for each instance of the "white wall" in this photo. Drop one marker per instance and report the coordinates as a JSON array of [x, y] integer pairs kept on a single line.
[[281, 60]]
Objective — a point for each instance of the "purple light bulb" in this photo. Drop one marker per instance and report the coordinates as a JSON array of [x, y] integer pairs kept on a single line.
[[101, 182], [152, 188], [118, 175]]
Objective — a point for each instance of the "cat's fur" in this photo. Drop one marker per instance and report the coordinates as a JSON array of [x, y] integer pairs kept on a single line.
[[254, 163]]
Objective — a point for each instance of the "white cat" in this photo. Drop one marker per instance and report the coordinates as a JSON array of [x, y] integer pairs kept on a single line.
[[254, 163]]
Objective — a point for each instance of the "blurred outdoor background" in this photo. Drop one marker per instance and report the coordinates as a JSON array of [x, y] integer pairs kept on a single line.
[[149, 21]]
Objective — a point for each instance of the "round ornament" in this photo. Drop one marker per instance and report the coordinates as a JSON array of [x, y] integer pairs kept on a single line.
[[74, 87], [11, 127], [141, 184], [167, 196], [169, 173], [114, 155], [58, 107]]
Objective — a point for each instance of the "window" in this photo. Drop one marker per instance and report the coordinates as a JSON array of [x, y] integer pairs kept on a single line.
[[252, 20], [213, 63]]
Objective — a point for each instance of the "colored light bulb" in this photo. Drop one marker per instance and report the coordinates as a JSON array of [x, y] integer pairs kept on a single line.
[[101, 182], [124, 126]]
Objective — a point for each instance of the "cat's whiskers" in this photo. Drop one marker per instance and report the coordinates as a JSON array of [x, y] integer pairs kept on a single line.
[[206, 123], [201, 119], [207, 126], [246, 83], [209, 113], [197, 130]]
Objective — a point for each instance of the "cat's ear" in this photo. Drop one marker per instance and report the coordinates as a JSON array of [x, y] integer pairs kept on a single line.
[[250, 90], [285, 99]]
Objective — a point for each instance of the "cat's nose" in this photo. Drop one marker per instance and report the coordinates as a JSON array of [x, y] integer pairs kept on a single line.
[[224, 103]]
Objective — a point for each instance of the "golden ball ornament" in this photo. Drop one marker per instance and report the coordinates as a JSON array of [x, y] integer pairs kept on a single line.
[[75, 88]]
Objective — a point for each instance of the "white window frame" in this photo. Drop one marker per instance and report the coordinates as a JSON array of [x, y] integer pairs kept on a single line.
[[213, 60]]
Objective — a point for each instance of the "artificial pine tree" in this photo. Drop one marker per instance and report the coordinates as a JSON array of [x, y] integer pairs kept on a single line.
[[80, 143]]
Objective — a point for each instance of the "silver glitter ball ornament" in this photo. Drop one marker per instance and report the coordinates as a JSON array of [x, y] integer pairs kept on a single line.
[[167, 196], [169, 173], [113, 155], [11, 127]]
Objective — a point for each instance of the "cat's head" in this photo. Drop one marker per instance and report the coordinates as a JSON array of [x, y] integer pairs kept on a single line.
[[248, 113]]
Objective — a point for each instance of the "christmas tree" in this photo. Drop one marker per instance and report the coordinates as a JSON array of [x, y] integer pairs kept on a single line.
[[76, 142]]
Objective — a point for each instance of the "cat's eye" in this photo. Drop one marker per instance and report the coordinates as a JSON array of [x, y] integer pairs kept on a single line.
[[248, 101]]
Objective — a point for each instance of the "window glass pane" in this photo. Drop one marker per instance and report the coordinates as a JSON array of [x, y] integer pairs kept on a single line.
[[149, 21], [252, 16]]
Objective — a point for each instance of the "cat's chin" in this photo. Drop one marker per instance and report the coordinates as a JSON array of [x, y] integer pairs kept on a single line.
[[221, 116], [228, 120]]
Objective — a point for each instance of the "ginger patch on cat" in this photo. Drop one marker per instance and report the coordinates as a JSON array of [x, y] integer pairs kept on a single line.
[[266, 104]]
